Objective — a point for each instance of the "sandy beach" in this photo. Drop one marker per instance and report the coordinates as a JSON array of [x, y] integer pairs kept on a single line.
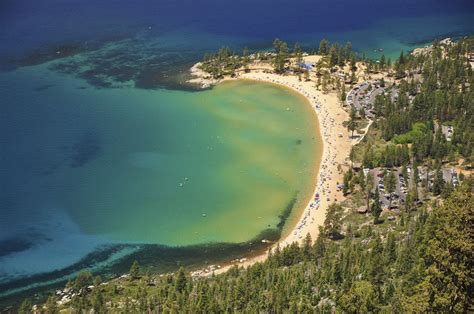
[[336, 147]]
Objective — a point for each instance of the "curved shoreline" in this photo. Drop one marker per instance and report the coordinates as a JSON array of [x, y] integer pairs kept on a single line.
[[308, 194], [336, 145], [299, 211]]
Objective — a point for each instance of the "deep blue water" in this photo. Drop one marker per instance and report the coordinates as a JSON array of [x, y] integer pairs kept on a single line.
[[145, 44], [158, 40], [208, 24]]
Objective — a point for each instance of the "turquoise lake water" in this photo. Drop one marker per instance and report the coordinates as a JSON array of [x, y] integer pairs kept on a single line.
[[90, 167]]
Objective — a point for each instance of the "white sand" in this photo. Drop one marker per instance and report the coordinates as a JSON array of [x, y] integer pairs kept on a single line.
[[336, 148]]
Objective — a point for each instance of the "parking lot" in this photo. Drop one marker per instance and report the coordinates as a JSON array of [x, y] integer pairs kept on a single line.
[[363, 97], [403, 186]]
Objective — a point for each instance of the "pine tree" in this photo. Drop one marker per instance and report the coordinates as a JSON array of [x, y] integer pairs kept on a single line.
[[83, 279], [369, 185], [390, 250], [323, 47], [181, 280], [135, 270], [382, 62], [359, 299], [352, 124], [376, 269], [281, 51], [390, 182], [333, 222], [319, 246], [98, 301], [298, 55], [438, 182], [51, 305], [307, 244], [246, 59], [376, 208], [26, 306]]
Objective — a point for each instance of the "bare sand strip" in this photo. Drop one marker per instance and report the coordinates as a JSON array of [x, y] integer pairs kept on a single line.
[[336, 148]]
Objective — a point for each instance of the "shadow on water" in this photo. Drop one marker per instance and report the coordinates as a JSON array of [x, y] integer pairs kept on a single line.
[[287, 212], [155, 258], [43, 87], [85, 150], [13, 245]]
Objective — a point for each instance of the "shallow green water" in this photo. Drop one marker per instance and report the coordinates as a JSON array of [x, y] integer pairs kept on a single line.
[[88, 167], [186, 168]]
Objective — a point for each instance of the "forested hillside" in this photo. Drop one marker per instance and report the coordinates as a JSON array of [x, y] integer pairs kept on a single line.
[[423, 264]]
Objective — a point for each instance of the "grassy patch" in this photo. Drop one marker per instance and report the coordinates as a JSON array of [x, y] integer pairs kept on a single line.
[[417, 131], [372, 139]]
